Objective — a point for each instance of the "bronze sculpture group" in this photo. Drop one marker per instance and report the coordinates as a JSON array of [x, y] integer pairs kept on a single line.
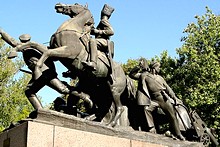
[[102, 82], [153, 92]]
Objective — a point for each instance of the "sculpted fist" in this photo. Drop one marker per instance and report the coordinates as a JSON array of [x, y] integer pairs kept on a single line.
[[94, 31]]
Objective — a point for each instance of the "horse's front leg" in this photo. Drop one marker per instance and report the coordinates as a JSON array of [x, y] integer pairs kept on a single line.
[[57, 52]]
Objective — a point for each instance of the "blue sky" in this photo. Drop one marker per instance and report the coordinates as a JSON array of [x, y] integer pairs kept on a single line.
[[143, 28]]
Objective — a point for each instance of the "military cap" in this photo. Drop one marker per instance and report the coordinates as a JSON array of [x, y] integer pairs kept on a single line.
[[25, 37], [107, 10], [154, 64]]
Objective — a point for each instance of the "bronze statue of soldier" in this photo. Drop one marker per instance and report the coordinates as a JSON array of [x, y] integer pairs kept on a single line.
[[160, 93], [48, 77], [142, 95], [153, 92], [102, 35]]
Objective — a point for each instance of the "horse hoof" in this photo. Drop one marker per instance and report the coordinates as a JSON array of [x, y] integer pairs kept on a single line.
[[87, 118], [89, 102], [153, 130], [90, 117], [86, 98], [180, 137], [113, 124]]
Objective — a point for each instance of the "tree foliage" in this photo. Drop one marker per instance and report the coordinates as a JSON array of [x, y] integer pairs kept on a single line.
[[199, 69], [14, 105]]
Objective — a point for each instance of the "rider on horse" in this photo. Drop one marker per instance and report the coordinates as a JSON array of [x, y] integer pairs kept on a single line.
[[102, 35], [67, 46]]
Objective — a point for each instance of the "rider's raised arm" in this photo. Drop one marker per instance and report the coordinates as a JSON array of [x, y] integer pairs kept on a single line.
[[108, 30], [7, 38], [134, 73]]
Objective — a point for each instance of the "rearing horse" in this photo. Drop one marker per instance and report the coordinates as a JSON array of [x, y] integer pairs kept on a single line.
[[68, 45]]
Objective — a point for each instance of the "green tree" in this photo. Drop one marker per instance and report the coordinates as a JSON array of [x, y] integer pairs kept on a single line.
[[14, 105], [199, 67]]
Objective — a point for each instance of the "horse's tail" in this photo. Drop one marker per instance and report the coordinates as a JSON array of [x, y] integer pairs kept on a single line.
[[129, 94], [129, 100], [131, 88]]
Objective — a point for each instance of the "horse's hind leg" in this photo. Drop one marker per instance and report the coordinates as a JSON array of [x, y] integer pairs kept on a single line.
[[119, 107]]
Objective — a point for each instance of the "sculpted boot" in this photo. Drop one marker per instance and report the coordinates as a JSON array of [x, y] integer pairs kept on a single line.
[[91, 65], [180, 137], [35, 102], [93, 53]]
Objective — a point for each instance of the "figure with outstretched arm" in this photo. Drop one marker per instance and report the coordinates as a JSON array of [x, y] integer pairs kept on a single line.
[[143, 98], [48, 76]]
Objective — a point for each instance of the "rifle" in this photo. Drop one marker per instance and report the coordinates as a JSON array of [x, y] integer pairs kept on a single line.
[[25, 71]]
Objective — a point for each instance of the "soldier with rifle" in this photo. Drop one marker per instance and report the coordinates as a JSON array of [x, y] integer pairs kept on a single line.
[[48, 77], [160, 93]]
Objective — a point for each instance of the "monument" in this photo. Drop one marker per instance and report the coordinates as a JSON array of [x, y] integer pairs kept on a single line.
[[109, 94]]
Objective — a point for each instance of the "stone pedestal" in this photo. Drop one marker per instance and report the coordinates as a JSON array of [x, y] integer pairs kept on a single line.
[[53, 129]]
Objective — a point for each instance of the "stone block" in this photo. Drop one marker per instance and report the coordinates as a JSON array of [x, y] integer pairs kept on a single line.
[[135, 143], [69, 137], [17, 136], [40, 135], [3, 139], [52, 129]]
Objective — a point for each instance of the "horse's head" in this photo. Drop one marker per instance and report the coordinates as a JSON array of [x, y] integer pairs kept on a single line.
[[71, 10]]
